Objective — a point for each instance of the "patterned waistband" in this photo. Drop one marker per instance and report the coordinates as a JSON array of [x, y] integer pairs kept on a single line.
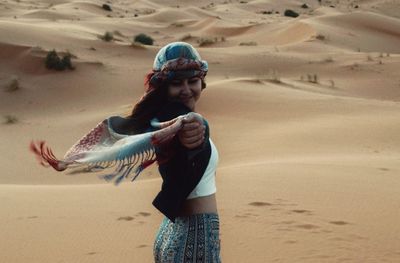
[[195, 217]]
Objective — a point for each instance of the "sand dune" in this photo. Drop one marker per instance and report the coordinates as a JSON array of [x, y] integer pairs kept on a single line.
[[304, 111], [360, 31], [167, 15]]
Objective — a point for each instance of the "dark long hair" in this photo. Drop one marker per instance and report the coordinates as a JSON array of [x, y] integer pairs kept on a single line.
[[147, 107]]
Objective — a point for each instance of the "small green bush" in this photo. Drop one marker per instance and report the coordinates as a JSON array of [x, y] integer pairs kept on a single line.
[[108, 36], [10, 119], [291, 13], [53, 61], [144, 39], [106, 7]]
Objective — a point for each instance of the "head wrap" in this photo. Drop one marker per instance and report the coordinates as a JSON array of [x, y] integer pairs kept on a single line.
[[177, 60]]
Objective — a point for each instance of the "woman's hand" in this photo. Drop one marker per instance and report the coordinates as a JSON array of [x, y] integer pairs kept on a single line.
[[192, 133]]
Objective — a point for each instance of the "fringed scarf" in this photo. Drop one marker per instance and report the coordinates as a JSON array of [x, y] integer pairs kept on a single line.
[[102, 148]]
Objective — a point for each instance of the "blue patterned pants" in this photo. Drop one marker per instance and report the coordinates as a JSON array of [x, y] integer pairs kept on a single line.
[[191, 239]]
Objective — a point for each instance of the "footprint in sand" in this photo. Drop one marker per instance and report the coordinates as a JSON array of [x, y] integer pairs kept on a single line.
[[246, 215], [339, 223], [302, 211], [289, 222], [260, 204], [143, 214], [142, 246], [307, 226], [126, 218], [283, 202]]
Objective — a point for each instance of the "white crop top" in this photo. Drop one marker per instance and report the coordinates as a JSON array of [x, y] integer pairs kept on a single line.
[[206, 186]]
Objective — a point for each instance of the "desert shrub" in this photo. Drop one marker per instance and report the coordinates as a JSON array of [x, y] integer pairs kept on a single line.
[[53, 61], [274, 77], [107, 7], [177, 25], [144, 39], [205, 42], [312, 78], [250, 43], [304, 6], [186, 37], [10, 119], [291, 13], [66, 61], [108, 36], [12, 85], [320, 37]]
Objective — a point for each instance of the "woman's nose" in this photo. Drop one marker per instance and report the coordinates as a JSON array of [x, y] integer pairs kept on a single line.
[[185, 87]]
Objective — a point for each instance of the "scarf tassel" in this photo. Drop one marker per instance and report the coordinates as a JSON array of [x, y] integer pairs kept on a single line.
[[45, 156], [126, 166]]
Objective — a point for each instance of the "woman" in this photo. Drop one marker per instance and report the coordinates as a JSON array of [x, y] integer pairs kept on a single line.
[[186, 156], [190, 230]]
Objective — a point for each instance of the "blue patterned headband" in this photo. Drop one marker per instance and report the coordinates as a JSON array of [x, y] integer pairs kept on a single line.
[[178, 60]]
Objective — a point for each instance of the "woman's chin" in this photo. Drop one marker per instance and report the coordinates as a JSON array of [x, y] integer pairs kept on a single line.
[[189, 103]]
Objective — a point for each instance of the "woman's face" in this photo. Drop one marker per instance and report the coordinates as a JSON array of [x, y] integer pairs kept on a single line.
[[186, 91]]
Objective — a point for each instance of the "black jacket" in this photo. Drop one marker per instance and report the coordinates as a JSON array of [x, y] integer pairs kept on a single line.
[[183, 171]]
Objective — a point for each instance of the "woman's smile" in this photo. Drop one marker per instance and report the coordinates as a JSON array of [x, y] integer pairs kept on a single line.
[[186, 91]]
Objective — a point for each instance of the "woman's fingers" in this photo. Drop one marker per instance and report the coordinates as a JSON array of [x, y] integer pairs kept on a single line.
[[191, 144], [192, 134], [192, 130], [193, 117]]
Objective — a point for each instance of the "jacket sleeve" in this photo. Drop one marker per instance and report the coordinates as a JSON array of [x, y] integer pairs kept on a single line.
[[183, 171]]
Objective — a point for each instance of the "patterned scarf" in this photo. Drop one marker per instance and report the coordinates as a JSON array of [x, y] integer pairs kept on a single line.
[[102, 148]]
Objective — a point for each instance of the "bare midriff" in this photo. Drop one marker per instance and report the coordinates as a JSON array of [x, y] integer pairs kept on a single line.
[[199, 205]]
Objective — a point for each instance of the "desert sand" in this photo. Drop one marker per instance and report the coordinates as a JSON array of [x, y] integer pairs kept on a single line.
[[305, 113]]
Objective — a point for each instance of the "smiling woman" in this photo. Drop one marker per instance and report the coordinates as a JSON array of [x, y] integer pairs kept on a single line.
[[162, 127], [190, 230]]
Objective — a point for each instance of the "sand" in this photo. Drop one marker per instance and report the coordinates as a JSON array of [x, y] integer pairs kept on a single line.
[[305, 113]]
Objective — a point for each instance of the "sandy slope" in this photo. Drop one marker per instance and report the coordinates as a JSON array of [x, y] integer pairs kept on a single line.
[[309, 172]]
